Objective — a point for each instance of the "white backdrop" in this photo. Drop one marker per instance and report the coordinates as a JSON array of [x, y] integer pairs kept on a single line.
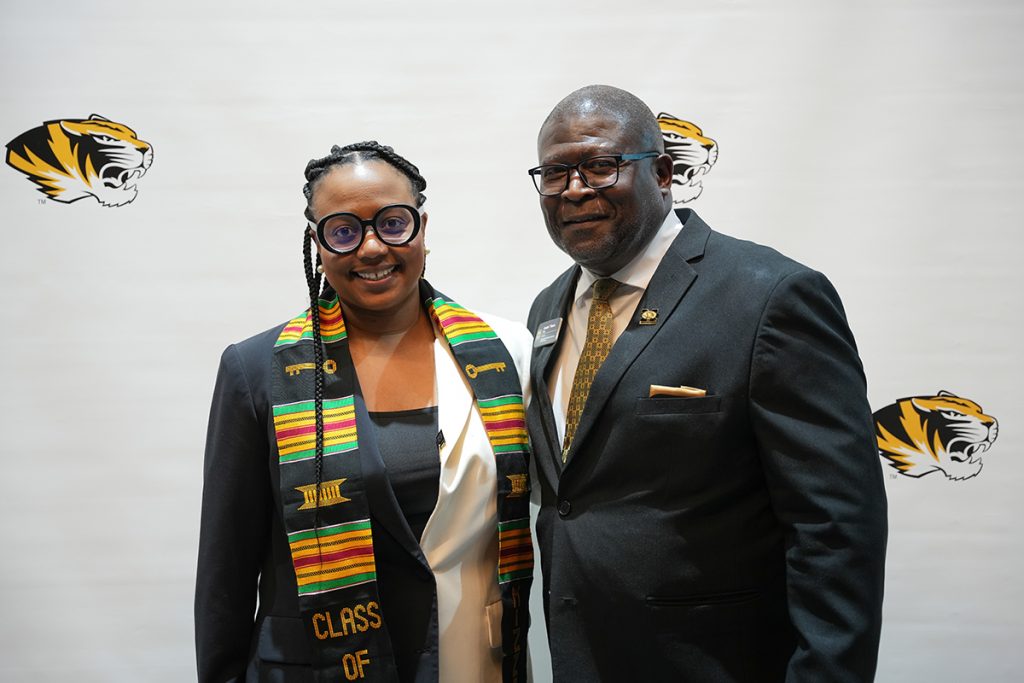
[[879, 142]]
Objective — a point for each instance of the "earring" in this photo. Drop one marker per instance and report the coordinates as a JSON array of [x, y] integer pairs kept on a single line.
[[320, 269], [426, 251]]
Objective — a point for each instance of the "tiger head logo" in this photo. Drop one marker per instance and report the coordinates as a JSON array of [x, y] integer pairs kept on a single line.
[[71, 159], [945, 433], [692, 153]]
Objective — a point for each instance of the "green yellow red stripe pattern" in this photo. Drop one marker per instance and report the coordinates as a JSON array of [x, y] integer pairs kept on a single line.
[[295, 428], [332, 326], [515, 550], [333, 557], [505, 422], [459, 325]]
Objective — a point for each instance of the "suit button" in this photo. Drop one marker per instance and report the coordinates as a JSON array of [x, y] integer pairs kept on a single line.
[[564, 508]]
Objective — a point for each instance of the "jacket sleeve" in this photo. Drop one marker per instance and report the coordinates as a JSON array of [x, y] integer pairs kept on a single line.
[[234, 528], [814, 429]]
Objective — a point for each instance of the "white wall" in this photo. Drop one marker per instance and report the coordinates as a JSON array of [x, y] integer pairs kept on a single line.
[[879, 142]]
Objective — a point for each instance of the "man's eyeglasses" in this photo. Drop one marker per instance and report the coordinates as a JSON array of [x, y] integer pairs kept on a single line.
[[597, 172], [343, 233]]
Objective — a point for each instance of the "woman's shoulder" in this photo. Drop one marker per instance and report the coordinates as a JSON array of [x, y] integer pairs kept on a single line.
[[516, 338], [249, 361], [513, 333], [258, 345]]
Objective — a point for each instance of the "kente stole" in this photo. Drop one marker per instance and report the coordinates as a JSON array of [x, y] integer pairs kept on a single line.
[[334, 563]]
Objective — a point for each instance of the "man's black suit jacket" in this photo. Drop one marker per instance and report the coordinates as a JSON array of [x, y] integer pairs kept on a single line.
[[738, 536]]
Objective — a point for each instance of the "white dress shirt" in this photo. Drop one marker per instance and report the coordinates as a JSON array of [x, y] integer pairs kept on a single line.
[[634, 278]]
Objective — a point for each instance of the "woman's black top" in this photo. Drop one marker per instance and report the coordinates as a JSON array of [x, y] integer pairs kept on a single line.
[[408, 444], [407, 440]]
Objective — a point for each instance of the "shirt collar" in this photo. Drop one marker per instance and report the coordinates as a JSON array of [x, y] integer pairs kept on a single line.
[[638, 272]]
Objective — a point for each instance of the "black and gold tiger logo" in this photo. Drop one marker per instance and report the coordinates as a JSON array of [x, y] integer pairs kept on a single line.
[[693, 154], [942, 433], [71, 159]]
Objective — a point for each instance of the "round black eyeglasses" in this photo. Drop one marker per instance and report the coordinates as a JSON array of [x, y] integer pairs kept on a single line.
[[343, 233]]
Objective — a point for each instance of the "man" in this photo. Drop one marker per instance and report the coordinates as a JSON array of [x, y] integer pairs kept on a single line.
[[716, 511]]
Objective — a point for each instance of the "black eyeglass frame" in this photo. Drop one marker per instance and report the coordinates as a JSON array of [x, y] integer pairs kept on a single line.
[[619, 158], [320, 226]]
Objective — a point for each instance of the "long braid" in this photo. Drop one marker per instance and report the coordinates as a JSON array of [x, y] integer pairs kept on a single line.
[[313, 282]]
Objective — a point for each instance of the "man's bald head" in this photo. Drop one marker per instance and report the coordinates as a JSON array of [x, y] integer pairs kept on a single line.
[[605, 100]]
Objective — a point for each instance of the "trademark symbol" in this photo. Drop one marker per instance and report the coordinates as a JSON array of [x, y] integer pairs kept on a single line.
[[41, 201]]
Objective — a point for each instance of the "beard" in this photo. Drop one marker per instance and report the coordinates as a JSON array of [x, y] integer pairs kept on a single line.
[[605, 252]]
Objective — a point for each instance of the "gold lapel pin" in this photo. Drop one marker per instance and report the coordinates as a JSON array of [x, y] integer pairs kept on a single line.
[[649, 316]]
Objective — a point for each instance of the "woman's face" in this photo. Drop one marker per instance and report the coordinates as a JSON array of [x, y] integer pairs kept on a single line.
[[375, 278]]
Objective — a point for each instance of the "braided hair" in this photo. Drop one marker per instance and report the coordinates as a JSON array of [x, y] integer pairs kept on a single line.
[[316, 168], [359, 152]]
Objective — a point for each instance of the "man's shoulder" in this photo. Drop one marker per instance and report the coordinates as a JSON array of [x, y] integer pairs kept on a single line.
[[737, 256], [754, 273], [738, 269], [747, 253]]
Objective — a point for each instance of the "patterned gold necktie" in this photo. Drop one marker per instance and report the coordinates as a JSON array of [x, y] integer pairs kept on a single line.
[[595, 350]]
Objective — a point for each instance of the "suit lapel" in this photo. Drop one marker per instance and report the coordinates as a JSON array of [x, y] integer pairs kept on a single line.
[[455, 405], [540, 369], [670, 282]]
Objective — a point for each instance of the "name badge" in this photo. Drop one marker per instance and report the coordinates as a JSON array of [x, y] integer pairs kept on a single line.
[[547, 333]]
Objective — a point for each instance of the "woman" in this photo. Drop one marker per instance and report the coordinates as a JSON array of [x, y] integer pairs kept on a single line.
[[366, 464]]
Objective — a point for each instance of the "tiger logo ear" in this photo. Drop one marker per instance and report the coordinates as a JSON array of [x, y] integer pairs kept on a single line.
[[71, 159], [693, 155], [944, 433]]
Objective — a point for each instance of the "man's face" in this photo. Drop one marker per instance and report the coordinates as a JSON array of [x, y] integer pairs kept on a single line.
[[604, 229]]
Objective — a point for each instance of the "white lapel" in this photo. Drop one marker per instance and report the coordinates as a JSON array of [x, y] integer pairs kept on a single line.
[[460, 540], [454, 407], [454, 399]]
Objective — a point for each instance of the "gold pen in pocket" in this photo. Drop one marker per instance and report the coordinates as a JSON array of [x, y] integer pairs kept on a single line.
[[685, 392]]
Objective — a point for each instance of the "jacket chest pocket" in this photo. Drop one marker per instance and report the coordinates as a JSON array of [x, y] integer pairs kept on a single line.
[[677, 405], [687, 433]]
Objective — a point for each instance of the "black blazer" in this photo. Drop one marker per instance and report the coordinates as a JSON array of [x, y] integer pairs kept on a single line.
[[243, 544], [738, 536]]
